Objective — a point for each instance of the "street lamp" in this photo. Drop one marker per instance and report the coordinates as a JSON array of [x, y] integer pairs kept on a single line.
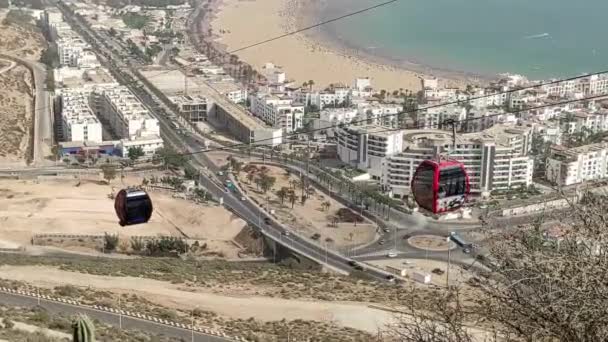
[[447, 274]]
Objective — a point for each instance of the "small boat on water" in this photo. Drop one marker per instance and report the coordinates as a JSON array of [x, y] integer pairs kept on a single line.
[[538, 36]]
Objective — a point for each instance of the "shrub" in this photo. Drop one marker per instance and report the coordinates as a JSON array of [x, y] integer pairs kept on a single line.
[[110, 242]]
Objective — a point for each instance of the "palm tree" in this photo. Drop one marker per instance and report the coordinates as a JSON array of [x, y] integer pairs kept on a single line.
[[282, 193], [292, 198], [310, 84], [304, 85]]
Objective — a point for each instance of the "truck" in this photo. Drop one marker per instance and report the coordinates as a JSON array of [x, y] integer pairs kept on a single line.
[[459, 240]]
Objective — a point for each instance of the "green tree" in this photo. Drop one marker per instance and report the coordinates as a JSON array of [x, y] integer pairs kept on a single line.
[[83, 329], [135, 152], [282, 194], [50, 57], [109, 172], [169, 158], [267, 182]]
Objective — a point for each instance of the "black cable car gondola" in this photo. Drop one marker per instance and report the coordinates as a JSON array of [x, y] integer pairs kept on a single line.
[[132, 206], [440, 186]]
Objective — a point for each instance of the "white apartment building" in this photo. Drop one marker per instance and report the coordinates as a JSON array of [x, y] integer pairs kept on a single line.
[[330, 117], [78, 122], [367, 147], [231, 90], [593, 122], [576, 165], [495, 159], [380, 114], [70, 48], [126, 115], [434, 118], [480, 119], [278, 111], [148, 144], [363, 83]]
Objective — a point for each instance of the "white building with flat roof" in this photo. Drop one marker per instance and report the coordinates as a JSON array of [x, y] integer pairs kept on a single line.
[[71, 48], [380, 114], [576, 165], [367, 147], [436, 117], [495, 159], [78, 122], [126, 115], [278, 111]]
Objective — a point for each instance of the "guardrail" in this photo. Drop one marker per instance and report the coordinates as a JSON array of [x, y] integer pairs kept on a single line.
[[207, 331]]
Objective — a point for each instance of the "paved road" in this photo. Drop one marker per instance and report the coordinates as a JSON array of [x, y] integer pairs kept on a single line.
[[188, 143], [109, 318]]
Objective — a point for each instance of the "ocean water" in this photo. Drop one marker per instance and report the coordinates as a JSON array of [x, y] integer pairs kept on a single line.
[[537, 38]]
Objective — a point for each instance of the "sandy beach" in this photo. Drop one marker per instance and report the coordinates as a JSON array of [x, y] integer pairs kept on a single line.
[[240, 23]]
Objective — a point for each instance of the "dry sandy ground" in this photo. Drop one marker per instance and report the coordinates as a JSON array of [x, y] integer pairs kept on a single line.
[[22, 40], [15, 115], [310, 218], [354, 315], [59, 206], [302, 59], [48, 332]]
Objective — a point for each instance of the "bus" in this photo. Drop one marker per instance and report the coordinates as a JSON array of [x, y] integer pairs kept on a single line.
[[459, 240]]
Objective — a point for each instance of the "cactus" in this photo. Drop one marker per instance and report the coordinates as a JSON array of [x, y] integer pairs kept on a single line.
[[83, 329]]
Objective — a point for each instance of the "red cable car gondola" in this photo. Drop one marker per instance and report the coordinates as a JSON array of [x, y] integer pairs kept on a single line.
[[440, 186], [132, 206]]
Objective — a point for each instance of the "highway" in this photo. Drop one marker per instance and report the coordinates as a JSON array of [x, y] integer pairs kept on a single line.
[[110, 318], [188, 143]]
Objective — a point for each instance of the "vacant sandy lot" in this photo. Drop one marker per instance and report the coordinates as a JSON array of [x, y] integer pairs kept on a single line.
[[60, 206], [355, 315], [23, 40], [15, 115], [311, 217]]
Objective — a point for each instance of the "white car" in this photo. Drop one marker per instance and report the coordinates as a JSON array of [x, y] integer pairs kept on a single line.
[[392, 255], [243, 198]]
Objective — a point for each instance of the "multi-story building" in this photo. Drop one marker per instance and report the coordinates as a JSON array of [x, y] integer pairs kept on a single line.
[[193, 108], [126, 115], [436, 117], [367, 147], [576, 165], [231, 90], [583, 121], [495, 159], [278, 111], [480, 119], [78, 122], [70, 48], [331, 117], [380, 114]]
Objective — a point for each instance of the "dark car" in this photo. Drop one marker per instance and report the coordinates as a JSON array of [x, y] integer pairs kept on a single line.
[[352, 263], [267, 220], [316, 236], [390, 278]]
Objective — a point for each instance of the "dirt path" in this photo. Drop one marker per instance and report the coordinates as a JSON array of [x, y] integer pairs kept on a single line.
[[354, 315]]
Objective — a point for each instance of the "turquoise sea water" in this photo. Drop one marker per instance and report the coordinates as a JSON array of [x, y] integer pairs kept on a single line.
[[537, 38]]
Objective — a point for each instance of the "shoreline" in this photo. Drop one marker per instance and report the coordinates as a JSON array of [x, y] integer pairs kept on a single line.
[[315, 54], [234, 25], [330, 39]]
